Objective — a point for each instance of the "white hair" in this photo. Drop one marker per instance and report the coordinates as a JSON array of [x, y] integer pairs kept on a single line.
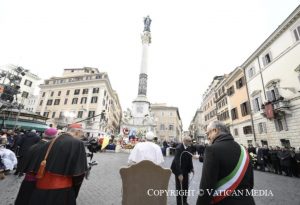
[[218, 125]]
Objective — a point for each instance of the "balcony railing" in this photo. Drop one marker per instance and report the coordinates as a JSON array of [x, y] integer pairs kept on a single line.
[[275, 108]]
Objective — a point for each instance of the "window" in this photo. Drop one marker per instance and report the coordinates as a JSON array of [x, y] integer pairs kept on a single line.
[[273, 94], [94, 99], [234, 114], [74, 101], [80, 113], [41, 102], [297, 33], [103, 102], [162, 127], [52, 93], [267, 59], [104, 92], [280, 124], [28, 83], [68, 92], [171, 127], [95, 90], [236, 132], [251, 72], [91, 114], [240, 83], [256, 103], [76, 92], [247, 130], [223, 116], [53, 115], [98, 76], [56, 101], [38, 113], [59, 92], [230, 91], [262, 128], [245, 108], [25, 94], [43, 94], [49, 102], [83, 100], [66, 101], [85, 91], [46, 114]]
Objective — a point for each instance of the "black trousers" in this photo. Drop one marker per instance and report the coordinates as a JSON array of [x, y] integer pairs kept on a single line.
[[182, 192]]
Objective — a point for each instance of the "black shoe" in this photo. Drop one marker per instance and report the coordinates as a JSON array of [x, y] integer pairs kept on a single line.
[[16, 173], [21, 174]]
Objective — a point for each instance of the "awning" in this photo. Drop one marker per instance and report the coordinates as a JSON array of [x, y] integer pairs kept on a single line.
[[24, 125]]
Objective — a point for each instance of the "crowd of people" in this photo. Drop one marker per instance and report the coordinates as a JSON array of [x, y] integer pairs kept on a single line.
[[278, 160], [54, 164], [14, 145]]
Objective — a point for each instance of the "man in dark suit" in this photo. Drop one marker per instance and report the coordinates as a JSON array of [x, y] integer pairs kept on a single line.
[[181, 166], [226, 170]]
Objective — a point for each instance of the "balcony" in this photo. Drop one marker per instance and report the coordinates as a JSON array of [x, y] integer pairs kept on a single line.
[[276, 108]]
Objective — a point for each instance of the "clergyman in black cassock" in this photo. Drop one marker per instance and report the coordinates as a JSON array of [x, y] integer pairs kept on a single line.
[[64, 172], [29, 182]]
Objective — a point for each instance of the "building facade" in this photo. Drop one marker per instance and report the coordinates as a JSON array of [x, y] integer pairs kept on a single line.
[[221, 100], [28, 86], [81, 94], [239, 108], [273, 82], [208, 105], [168, 122], [196, 128]]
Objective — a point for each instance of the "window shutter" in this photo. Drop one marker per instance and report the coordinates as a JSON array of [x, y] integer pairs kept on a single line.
[[269, 96], [242, 109], [296, 35], [264, 60], [264, 127], [259, 103], [271, 57], [284, 123], [276, 91], [248, 108], [260, 128], [276, 125], [254, 106]]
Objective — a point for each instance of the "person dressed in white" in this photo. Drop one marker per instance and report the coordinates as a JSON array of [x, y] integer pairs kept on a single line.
[[8, 158], [146, 151]]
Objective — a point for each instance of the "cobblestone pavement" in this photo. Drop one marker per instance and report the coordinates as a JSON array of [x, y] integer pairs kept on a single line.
[[104, 185]]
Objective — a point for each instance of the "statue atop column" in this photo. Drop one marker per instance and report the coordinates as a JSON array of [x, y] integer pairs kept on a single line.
[[147, 22]]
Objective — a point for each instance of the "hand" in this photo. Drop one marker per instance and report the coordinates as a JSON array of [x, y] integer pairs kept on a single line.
[[196, 156], [193, 171], [180, 177]]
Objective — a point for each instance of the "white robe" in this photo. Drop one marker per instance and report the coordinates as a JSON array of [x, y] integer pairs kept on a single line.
[[146, 151], [8, 158]]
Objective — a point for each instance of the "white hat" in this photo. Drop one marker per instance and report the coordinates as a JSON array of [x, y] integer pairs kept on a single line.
[[149, 135]]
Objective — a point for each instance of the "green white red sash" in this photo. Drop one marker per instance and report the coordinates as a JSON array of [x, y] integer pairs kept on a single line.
[[229, 183]]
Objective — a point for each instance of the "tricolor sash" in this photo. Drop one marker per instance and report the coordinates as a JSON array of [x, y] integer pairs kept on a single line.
[[229, 183]]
